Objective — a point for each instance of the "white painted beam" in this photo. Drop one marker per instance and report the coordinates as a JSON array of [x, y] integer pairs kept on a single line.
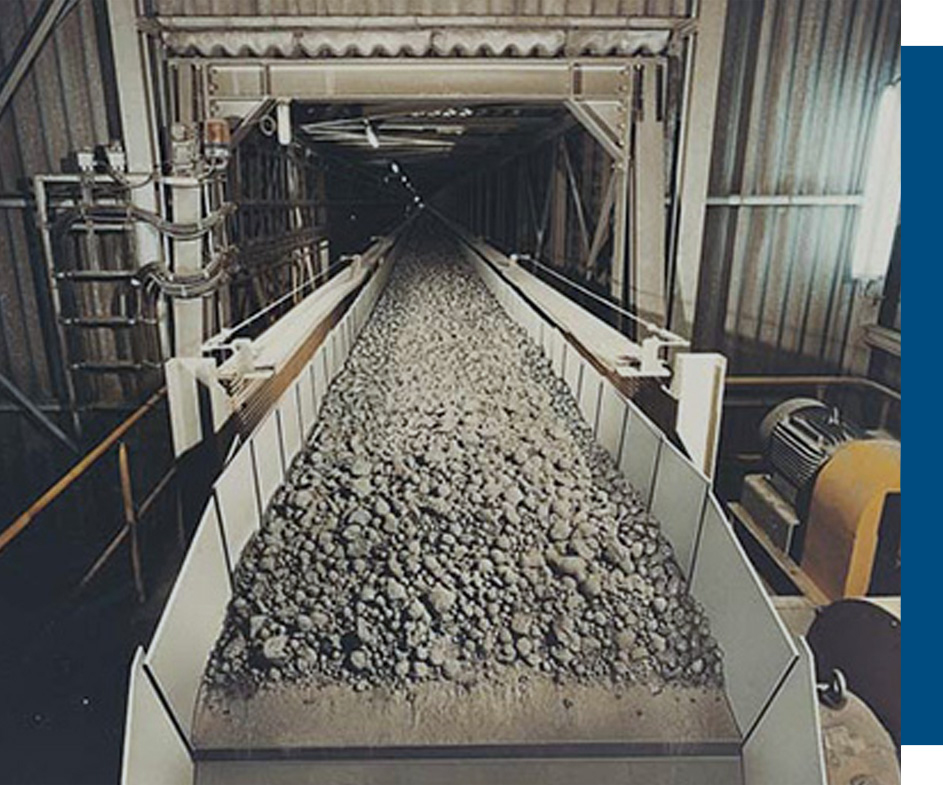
[[697, 145]]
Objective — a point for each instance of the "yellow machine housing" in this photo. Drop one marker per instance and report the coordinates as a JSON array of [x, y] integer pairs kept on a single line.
[[845, 515]]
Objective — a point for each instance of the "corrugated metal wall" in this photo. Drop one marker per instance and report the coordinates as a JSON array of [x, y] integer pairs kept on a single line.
[[799, 89], [60, 106]]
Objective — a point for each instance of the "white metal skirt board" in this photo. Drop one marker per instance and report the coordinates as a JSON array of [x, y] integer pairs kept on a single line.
[[611, 421], [239, 504], [558, 351], [290, 422], [758, 651], [319, 376], [192, 620], [306, 403], [590, 389], [677, 501], [266, 460], [153, 751], [638, 458], [791, 724], [573, 370]]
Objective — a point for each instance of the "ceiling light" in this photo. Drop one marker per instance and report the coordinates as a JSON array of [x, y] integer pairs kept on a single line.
[[283, 121], [371, 136]]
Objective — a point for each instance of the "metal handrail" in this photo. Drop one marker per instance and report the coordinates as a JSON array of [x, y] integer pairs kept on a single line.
[[821, 380], [82, 466]]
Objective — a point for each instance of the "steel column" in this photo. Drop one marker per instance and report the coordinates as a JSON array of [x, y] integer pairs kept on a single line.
[[648, 271], [139, 135], [697, 141], [188, 259], [622, 192]]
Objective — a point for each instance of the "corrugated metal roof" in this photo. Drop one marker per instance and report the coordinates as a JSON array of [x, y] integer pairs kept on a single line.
[[369, 8], [799, 89], [464, 36]]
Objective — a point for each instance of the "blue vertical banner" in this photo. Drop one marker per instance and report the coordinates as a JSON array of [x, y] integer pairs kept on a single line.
[[922, 688]]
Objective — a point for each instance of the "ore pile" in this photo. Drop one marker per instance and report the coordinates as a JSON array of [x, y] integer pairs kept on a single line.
[[452, 518]]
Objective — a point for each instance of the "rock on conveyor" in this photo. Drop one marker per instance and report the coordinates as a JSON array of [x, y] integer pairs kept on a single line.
[[452, 518]]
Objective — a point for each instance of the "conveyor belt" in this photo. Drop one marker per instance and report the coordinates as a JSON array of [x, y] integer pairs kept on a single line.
[[455, 566]]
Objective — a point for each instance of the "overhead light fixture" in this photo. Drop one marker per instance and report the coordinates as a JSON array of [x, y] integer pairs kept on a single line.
[[395, 167], [371, 136], [283, 120]]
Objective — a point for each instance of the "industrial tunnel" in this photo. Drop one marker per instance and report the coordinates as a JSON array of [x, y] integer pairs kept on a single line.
[[439, 476]]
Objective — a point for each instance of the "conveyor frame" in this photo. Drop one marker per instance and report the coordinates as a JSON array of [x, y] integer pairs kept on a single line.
[[769, 674]]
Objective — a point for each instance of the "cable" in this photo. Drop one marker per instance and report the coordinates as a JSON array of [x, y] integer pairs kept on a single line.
[[124, 181], [187, 285], [275, 303], [653, 328], [179, 231]]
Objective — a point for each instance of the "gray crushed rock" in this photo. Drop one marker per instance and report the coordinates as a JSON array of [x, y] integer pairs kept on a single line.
[[452, 517]]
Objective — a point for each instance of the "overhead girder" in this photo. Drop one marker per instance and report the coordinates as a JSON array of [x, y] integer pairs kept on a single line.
[[615, 98], [234, 84]]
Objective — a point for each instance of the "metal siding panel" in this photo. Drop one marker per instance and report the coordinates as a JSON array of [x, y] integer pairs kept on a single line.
[[800, 88], [59, 106]]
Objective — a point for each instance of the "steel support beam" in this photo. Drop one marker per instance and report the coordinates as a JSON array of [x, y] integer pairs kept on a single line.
[[32, 42], [36, 414], [610, 122], [293, 23], [234, 86], [706, 49], [577, 199], [622, 191], [602, 227], [558, 185], [605, 133], [648, 271], [786, 200], [137, 116]]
